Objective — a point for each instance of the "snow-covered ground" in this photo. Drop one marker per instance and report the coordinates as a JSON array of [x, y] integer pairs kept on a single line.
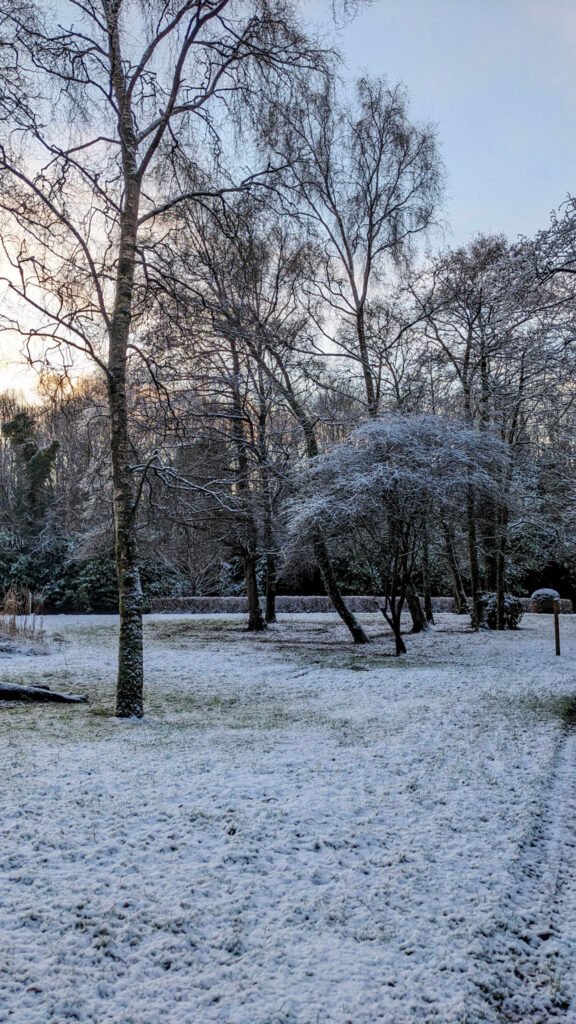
[[299, 832]]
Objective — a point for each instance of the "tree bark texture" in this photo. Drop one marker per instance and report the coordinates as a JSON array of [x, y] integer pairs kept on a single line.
[[130, 684]]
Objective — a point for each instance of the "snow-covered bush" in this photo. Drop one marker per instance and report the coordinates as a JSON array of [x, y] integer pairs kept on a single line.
[[376, 497], [513, 611], [544, 600]]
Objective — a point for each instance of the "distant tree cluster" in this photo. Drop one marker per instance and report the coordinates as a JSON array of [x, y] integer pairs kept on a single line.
[[286, 390]]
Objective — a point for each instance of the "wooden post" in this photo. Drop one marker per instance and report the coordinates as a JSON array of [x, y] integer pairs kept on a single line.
[[557, 625]]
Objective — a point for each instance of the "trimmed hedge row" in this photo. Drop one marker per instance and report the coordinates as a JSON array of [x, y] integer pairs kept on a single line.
[[215, 605]]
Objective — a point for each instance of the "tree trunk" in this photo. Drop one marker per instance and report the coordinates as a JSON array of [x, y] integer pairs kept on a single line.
[[130, 684], [270, 549], [270, 587], [460, 600], [267, 496], [319, 546], [399, 645], [249, 542], [333, 590], [501, 569], [419, 623], [392, 612], [489, 534], [256, 622], [371, 397], [426, 580], [475, 584]]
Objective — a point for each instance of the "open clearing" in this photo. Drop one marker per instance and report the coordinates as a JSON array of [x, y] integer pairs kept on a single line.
[[299, 832]]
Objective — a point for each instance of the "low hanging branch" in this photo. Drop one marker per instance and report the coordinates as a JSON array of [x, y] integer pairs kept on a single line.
[[13, 692]]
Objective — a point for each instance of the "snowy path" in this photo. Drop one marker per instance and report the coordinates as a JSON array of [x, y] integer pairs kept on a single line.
[[300, 832], [527, 969]]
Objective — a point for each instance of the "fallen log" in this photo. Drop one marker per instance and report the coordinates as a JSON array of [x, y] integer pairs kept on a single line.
[[13, 691]]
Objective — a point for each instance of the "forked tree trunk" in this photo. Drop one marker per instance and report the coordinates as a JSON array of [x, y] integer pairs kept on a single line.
[[392, 612], [399, 645]]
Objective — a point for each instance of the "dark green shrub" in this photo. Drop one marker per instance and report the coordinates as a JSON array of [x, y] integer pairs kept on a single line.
[[513, 611], [96, 585]]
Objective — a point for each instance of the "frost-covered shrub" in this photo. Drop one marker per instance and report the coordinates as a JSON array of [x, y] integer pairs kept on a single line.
[[544, 600], [513, 611]]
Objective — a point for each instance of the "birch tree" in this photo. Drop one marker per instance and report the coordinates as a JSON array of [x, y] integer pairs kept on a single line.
[[367, 181], [119, 104]]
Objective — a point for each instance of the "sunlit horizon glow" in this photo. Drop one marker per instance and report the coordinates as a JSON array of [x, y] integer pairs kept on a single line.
[[16, 374]]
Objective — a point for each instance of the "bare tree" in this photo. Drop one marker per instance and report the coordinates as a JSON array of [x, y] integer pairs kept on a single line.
[[367, 181], [241, 270], [487, 363], [94, 157]]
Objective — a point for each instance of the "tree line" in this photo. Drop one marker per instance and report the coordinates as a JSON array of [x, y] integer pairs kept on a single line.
[[286, 384]]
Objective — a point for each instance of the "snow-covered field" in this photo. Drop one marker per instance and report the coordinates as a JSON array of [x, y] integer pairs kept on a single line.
[[299, 832]]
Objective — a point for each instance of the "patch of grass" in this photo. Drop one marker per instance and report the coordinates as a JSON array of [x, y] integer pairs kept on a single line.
[[192, 629], [203, 710], [562, 706], [329, 657]]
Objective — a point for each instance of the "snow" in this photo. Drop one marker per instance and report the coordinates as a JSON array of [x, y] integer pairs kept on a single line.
[[299, 832]]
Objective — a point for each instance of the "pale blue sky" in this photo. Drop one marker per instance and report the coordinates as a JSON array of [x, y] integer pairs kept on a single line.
[[498, 78]]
